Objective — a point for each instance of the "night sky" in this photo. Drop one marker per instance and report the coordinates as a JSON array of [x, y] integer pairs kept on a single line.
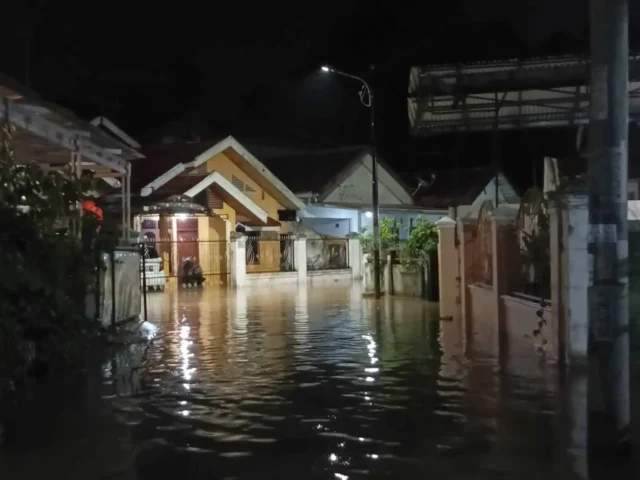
[[252, 68]]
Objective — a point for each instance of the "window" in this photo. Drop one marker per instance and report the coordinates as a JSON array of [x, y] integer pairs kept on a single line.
[[236, 182], [242, 186], [213, 201]]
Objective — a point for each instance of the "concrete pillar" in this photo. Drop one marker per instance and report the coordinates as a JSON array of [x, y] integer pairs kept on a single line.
[[568, 225], [368, 276], [300, 257], [575, 277], [355, 257], [557, 260], [238, 260], [505, 263], [387, 273], [466, 244], [448, 268]]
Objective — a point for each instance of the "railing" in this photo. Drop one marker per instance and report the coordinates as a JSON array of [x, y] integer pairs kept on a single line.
[[265, 255], [327, 253], [209, 257]]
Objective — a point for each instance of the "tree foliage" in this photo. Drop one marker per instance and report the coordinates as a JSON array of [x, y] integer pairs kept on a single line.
[[535, 255], [388, 236], [46, 268], [422, 240]]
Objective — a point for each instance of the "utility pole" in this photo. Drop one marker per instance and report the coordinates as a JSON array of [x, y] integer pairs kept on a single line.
[[374, 191], [368, 99], [609, 377]]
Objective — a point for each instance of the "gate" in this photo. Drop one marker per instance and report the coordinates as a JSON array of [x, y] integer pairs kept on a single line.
[[179, 259]]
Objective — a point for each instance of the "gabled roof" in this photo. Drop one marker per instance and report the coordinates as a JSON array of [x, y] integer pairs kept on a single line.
[[115, 131], [450, 188], [48, 132], [314, 170], [228, 192], [320, 172], [166, 162]]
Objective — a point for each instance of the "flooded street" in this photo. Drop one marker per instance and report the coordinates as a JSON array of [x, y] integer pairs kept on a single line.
[[300, 383]]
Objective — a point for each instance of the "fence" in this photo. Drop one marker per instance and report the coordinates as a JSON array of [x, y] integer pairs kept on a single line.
[[118, 294], [212, 256], [327, 254], [265, 255]]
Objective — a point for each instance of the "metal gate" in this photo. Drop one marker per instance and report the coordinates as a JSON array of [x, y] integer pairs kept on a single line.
[[187, 261]]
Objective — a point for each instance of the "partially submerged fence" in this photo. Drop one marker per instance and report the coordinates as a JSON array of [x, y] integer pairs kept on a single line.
[[118, 296], [179, 259], [533, 278], [270, 255], [327, 253]]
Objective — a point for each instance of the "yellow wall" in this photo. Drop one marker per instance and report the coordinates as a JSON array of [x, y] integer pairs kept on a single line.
[[212, 233], [222, 164]]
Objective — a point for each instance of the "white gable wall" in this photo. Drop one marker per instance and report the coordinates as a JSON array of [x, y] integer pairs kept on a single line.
[[356, 188], [506, 193]]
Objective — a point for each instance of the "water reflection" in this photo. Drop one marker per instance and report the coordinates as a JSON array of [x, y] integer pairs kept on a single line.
[[295, 382]]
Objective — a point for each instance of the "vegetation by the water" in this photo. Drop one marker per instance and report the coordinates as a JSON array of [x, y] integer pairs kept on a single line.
[[423, 238], [47, 267]]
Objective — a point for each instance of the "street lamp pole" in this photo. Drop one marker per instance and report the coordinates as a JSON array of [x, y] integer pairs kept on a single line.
[[370, 102]]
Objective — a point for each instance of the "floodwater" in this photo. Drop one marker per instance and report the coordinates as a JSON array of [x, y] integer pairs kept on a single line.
[[298, 383]]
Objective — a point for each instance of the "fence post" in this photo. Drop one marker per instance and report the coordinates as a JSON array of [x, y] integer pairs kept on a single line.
[[448, 266], [467, 243], [504, 242], [238, 260], [575, 277], [300, 257], [355, 256], [556, 258]]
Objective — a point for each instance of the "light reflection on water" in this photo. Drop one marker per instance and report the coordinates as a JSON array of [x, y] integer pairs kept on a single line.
[[320, 383]]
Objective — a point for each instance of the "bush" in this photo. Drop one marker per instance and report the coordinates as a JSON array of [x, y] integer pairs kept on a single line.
[[46, 270], [422, 240], [388, 237]]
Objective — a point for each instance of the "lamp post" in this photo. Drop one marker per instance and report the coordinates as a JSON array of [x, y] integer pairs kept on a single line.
[[369, 101]]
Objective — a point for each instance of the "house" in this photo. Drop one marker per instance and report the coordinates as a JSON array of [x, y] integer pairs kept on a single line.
[[464, 189], [335, 186], [239, 193]]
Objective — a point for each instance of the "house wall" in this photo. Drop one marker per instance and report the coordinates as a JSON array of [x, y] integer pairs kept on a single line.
[[324, 219], [212, 247], [228, 169], [506, 193], [356, 188], [328, 226]]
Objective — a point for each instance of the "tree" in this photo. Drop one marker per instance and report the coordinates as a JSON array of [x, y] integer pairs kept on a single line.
[[422, 240], [388, 237], [45, 268]]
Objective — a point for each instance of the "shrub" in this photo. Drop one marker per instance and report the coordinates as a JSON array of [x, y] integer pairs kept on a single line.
[[46, 269], [388, 237], [422, 240]]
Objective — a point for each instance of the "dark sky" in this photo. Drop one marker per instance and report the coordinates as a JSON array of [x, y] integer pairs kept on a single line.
[[251, 67]]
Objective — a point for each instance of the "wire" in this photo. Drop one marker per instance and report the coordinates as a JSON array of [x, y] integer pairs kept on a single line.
[[365, 96]]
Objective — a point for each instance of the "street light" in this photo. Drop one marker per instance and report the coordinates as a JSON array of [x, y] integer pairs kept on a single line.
[[368, 99]]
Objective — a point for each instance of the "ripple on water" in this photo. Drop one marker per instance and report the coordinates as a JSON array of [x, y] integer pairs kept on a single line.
[[318, 383]]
